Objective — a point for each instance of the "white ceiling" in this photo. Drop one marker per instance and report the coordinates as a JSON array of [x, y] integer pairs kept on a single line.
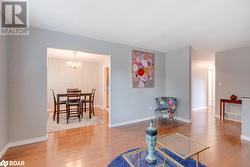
[[75, 55], [211, 25]]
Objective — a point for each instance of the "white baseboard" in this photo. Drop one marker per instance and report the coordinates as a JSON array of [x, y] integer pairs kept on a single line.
[[183, 120], [27, 141], [23, 142], [98, 106], [130, 122], [50, 110], [229, 119], [199, 109], [143, 119], [3, 151], [247, 138]]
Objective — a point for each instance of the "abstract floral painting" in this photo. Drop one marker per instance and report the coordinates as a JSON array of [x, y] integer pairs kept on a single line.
[[142, 69]]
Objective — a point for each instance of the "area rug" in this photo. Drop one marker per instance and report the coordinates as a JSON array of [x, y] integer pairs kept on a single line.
[[121, 162], [52, 126]]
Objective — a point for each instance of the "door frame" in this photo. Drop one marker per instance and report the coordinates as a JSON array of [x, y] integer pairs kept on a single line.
[[103, 87]]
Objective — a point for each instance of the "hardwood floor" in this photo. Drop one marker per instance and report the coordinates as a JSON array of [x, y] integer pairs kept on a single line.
[[96, 146]]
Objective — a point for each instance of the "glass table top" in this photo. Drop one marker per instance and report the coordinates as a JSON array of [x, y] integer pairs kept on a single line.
[[137, 159], [181, 145]]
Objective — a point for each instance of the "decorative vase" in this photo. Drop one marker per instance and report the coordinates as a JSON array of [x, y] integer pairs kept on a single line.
[[233, 97], [151, 139]]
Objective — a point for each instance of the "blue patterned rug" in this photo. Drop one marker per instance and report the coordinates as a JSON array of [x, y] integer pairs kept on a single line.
[[121, 162]]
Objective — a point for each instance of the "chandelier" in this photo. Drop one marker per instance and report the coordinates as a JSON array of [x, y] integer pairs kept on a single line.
[[74, 64]]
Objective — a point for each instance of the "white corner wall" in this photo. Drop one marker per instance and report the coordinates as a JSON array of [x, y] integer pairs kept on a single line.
[[232, 77], [28, 81], [3, 93], [178, 80], [199, 84]]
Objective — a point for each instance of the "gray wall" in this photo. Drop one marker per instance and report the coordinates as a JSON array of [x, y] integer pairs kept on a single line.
[[178, 80], [3, 93], [245, 125], [28, 80], [233, 72]]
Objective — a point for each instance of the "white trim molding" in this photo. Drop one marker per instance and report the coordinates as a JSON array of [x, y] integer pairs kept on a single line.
[[27, 141], [143, 119], [183, 120], [99, 106], [3, 151], [130, 122], [23, 142], [243, 137], [228, 119]]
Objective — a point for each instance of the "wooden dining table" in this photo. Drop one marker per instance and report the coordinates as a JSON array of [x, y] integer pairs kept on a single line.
[[63, 95]]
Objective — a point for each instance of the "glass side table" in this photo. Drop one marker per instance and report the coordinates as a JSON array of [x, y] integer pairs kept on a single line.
[[181, 145], [137, 159]]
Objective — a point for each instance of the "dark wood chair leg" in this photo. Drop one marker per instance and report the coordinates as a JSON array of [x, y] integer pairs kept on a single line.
[[58, 113], [54, 114], [79, 112], [90, 112], [67, 115], [85, 109]]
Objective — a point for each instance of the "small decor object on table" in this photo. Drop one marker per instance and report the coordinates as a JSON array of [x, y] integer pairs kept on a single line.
[[233, 97], [151, 139]]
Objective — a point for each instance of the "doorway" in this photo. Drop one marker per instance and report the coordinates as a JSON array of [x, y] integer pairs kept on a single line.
[[81, 71]]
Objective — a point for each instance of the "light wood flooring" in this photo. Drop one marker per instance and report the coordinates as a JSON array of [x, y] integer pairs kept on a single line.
[[96, 146]]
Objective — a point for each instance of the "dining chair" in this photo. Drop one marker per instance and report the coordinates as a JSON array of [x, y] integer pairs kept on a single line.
[[86, 104], [73, 100], [61, 102]]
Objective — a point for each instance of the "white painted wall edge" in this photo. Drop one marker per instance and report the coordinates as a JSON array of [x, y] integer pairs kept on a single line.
[[200, 108], [247, 138], [23, 142]]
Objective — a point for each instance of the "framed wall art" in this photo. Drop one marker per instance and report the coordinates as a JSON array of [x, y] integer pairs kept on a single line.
[[142, 69]]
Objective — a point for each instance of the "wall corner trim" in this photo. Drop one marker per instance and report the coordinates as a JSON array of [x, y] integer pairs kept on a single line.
[[23, 142], [243, 137]]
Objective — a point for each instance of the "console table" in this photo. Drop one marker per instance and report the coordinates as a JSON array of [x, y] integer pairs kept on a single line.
[[222, 105]]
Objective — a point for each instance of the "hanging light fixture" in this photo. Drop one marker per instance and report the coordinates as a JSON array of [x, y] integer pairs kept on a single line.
[[74, 64]]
